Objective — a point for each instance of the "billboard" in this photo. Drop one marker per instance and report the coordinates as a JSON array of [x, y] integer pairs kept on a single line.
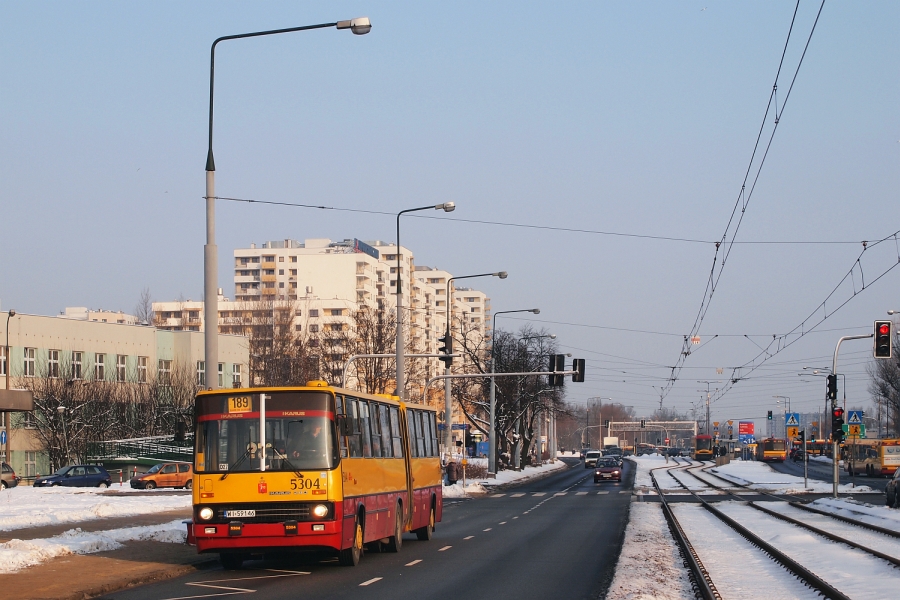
[[745, 432]]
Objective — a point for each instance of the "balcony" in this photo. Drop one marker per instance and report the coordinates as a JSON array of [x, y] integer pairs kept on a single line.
[[269, 291], [268, 265], [269, 278]]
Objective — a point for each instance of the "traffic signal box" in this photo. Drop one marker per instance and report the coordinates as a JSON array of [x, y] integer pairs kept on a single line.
[[446, 347], [557, 363], [837, 424], [883, 339], [578, 367], [832, 387], [769, 415]]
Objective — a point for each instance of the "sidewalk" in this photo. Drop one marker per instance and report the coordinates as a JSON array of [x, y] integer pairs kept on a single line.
[[78, 576]]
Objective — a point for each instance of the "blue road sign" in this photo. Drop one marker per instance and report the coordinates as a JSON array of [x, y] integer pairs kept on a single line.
[[792, 419], [854, 417], [3, 438]]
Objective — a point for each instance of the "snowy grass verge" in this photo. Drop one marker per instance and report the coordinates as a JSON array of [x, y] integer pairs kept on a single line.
[[477, 487]]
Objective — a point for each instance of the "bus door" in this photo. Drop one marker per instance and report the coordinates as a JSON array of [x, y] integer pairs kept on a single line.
[[409, 448]]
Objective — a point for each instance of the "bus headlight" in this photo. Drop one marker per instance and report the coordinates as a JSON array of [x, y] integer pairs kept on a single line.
[[206, 513], [320, 510]]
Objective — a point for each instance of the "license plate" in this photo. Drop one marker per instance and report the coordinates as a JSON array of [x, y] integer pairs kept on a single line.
[[607, 475], [240, 513]]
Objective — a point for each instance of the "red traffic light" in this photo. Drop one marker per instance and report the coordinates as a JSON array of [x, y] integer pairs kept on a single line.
[[884, 329], [838, 413]]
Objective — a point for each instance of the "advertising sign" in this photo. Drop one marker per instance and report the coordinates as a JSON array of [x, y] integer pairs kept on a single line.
[[745, 432]]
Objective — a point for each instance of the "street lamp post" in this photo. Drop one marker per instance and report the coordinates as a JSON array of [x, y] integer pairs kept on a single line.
[[446, 207], [707, 402], [359, 26], [492, 440], [8, 367], [448, 400], [788, 398]]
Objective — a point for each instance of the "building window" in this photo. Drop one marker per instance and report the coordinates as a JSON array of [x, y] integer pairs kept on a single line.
[[298, 327], [201, 372], [99, 367], [281, 284], [2, 360], [142, 369], [53, 364], [221, 375], [120, 368], [29, 361], [30, 464], [281, 271], [314, 312], [293, 259], [281, 259], [314, 329], [337, 312], [336, 327], [164, 371], [236, 376], [77, 360]]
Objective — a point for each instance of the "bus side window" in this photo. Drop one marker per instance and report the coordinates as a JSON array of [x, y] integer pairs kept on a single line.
[[385, 423], [410, 422], [432, 426], [342, 439], [426, 430], [420, 436], [376, 429], [355, 441], [395, 433], [364, 428]]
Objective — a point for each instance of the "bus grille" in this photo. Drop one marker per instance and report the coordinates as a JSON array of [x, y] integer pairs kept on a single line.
[[266, 512]]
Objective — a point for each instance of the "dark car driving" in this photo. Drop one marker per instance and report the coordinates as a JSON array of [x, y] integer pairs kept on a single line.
[[607, 469], [76, 476]]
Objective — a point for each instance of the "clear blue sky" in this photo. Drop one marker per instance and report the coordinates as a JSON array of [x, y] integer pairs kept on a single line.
[[634, 118]]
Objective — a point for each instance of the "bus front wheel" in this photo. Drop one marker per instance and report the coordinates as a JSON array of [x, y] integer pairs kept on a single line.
[[350, 557]]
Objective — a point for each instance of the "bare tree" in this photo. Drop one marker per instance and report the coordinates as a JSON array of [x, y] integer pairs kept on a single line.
[[143, 310]]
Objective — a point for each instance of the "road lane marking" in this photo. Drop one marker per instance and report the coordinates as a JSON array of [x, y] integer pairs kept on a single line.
[[539, 494], [445, 548], [231, 591], [603, 492], [370, 582], [515, 517], [497, 495], [519, 495], [560, 493], [469, 537], [503, 522], [488, 529], [624, 491], [581, 493], [415, 562]]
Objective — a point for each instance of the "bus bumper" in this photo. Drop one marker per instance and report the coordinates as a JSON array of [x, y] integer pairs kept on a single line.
[[258, 536]]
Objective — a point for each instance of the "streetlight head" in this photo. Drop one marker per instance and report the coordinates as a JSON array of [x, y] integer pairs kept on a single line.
[[552, 336], [446, 206], [12, 312], [536, 311], [60, 409], [359, 26], [890, 312], [502, 274]]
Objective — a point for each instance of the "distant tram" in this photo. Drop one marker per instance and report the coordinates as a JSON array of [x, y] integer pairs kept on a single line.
[[771, 450], [702, 447]]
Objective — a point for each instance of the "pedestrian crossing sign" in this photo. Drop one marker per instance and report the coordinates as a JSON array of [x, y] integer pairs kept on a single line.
[[792, 419], [855, 417]]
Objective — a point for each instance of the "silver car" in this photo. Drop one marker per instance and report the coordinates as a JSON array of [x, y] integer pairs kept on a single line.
[[590, 458]]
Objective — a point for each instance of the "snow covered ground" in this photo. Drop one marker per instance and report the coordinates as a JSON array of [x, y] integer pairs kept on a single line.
[[25, 506], [760, 476], [476, 487]]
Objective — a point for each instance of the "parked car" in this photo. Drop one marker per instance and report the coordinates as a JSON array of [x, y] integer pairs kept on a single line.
[[590, 458], [8, 477], [892, 490], [607, 468], [76, 476], [174, 475]]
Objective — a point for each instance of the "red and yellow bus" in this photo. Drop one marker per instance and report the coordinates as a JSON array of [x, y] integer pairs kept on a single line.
[[875, 457], [702, 447], [771, 450], [314, 468]]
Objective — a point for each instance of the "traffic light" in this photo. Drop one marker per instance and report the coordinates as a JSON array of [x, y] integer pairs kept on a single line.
[[642, 423], [578, 367], [832, 387], [802, 436], [446, 347], [557, 363], [883, 339], [837, 424], [769, 416]]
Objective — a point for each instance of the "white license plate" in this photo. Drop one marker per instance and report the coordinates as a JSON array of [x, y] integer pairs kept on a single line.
[[607, 474], [240, 513]]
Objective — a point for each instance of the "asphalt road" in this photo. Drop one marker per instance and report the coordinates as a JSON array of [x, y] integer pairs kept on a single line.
[[559, 537]]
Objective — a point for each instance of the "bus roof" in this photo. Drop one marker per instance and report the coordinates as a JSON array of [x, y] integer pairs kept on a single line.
[[316, 386]]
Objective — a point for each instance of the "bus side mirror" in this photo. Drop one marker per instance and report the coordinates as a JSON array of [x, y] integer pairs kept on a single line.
[[347, 426]]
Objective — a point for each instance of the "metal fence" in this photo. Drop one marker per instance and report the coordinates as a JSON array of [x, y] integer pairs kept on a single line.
[[163, 447]]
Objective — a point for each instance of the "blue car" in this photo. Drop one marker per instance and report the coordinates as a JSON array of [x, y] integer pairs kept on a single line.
[[77, 476]]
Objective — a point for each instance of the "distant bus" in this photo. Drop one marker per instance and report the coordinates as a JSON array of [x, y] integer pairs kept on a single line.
[[875, 458], [771, 450], [702, 447], [313, 468]]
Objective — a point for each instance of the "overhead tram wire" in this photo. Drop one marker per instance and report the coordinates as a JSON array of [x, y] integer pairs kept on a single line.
[[543, 227], [743, 198]]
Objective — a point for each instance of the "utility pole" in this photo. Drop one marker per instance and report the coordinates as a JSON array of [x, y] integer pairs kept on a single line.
[[708, 383]]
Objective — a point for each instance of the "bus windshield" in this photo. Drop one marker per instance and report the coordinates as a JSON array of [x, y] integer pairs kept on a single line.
[[299, 433]]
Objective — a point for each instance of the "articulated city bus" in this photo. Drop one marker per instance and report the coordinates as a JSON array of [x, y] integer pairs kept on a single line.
[[771, 450], [874, 457], [702, 447], [314, 468]]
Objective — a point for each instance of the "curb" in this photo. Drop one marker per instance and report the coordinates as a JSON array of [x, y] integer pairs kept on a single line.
[[505, 486], [154, 576]]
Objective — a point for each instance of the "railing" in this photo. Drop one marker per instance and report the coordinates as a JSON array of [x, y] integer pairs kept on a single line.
[[157, 448]]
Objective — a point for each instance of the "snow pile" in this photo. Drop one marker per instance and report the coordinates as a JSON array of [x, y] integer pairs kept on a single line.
[[25, 506], [642, 482], [650, 563], [18, 554], [476, 487], [760, 476]]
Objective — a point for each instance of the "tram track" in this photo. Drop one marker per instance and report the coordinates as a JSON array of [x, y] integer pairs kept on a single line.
[[700, 576]]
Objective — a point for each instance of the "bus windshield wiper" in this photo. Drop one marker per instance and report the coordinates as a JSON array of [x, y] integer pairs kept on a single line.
[[236, 463], [284, 458]]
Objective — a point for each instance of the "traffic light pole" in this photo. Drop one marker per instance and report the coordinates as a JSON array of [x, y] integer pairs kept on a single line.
[[836, 444]]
